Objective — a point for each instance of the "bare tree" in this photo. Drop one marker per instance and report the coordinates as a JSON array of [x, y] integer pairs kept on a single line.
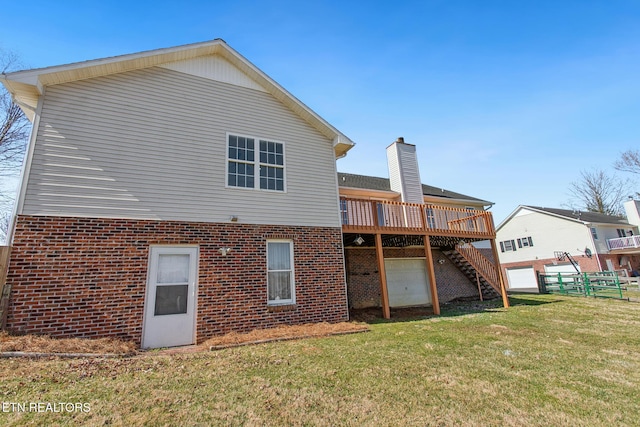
[[14, 131], [14, 126], [629, 161], [596, 191]]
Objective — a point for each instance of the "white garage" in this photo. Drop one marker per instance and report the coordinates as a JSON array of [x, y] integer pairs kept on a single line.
[[522, 279], [560, 268], [407, 282]]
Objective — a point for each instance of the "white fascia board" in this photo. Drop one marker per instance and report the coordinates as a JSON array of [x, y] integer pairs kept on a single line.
[[511, 215]]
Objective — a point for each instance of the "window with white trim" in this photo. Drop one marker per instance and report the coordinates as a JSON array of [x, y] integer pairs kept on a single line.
[[594, 233], [242, 163], [280, 274]]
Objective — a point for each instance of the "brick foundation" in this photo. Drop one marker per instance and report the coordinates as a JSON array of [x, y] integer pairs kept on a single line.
[[363, 278], [86, 277]]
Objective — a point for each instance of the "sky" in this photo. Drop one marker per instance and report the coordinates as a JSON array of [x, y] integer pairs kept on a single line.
[[506, 101]]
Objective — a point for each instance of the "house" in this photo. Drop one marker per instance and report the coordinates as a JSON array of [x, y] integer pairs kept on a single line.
[[545, 240], [172, 195]]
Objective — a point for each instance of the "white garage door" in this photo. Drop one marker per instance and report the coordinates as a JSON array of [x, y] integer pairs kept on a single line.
[[522, 278], [560, 268], [407, 282]]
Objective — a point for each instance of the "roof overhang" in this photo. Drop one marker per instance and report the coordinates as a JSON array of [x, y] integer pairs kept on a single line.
[[27, 86]]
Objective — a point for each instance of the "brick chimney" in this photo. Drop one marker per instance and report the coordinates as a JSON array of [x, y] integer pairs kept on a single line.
[[403, 171]]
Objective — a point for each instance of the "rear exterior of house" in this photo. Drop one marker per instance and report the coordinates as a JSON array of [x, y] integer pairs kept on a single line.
[[408, 244], [535, 240], [173, 195]]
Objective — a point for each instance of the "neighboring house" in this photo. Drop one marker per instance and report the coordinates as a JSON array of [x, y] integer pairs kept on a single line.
[[537, 240], [176, 194], [172, 195]]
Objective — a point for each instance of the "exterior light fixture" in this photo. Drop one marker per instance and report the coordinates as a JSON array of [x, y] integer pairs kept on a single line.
[[234, 218], [224, 251], [358, 240]]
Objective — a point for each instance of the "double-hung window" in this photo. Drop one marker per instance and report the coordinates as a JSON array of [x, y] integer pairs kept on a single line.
[[244, 163], [280, 275]]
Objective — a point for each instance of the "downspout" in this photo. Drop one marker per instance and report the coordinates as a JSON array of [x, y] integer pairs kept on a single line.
[[593, 244]]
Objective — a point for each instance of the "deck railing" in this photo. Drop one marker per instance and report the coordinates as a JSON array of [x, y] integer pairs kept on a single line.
[[360, 215], [630, 242]]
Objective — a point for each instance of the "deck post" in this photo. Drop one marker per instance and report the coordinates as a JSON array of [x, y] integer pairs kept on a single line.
[[479, 287], [496, 262], [432, 275], [384, 294]]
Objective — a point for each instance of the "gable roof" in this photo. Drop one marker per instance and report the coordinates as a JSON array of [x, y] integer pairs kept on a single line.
[[27, 86], [349, 180], [583, 217]]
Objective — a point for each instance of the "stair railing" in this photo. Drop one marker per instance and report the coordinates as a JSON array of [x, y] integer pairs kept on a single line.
[[481, 264]]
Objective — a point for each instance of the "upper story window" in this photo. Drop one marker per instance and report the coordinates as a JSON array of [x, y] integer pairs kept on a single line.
[[525, 242], [594, 233], [621, 232], [507, 246], [243, 163]]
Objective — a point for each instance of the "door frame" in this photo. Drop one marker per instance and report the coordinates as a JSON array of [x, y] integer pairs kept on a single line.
[[147, 297]]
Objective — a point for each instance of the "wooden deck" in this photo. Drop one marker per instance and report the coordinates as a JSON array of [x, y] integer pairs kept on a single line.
[[379, 216]]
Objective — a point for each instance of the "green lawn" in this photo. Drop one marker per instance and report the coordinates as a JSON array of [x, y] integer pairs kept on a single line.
[[548, 361]]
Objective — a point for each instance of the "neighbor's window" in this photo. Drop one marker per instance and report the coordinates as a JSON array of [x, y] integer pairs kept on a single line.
[[507, 245], [243, 163], [525, 242], [621, 232], [594, 233], [280, 280]]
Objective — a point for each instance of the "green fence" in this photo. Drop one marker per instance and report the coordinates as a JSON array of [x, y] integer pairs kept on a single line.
[[605, 284]]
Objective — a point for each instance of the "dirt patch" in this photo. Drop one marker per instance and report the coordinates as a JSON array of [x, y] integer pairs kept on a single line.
[[374, 314], [45, 344], [42, 345], [286, 332]]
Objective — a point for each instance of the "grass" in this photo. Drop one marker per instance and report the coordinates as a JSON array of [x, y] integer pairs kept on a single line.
[[548, 360]]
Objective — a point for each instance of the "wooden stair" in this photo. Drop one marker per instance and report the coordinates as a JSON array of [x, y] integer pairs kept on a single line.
[[477, 268]]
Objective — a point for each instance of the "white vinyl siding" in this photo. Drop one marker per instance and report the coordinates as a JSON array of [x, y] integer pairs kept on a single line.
[[548, 234], [404, 175], [151, 144]]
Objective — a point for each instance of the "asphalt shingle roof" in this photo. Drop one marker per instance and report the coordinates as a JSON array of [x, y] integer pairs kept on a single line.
[[583, 216], [383, 184]]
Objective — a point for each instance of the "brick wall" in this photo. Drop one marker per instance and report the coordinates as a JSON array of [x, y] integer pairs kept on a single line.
[[86, 277], [363, 279]]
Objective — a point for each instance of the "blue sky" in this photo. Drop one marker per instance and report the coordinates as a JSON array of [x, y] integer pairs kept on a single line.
[[506, 100]]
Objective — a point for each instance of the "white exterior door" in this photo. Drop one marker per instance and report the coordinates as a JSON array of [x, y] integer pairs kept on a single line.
[[170, 303], [407, 282], [522, 278]]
